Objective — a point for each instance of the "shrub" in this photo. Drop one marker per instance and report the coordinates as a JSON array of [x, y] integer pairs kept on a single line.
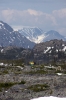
[[5, 72], [6, 85], [22, 82], [58, 71], [38, 87], [37, 72]]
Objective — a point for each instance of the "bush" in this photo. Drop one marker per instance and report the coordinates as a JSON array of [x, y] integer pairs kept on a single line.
[[5, 72], [37, 72], [38, 87], [6, 85], [58, 71], [22, 82]]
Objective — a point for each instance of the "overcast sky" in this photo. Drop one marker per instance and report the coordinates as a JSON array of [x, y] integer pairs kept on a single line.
[[45, 14]]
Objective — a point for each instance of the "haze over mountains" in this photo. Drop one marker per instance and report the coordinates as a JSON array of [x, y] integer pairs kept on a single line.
[[25, 37]]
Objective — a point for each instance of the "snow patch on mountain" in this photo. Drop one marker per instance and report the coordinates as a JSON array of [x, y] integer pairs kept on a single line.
[[1, 24], [37, 35], [64, 49], [34, 34], [48, 48], [37, 39]]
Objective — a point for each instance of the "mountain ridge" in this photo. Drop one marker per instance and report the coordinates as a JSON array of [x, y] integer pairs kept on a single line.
[[49, 51], [10, 37], [37, 35], [27, 37]]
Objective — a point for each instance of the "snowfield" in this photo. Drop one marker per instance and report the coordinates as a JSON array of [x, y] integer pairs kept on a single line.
[[49, 98]]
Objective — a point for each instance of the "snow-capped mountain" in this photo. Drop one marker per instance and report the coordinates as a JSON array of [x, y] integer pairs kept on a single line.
[[37, 35], [34, 34], [10, 37], [50, 35]]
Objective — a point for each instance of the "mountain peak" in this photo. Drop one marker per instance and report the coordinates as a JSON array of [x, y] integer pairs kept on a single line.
[[5, 26], [9, 37], [32, 33], [37, 35], [52, 34]]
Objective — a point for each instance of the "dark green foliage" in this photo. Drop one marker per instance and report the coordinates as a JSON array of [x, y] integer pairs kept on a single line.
[[37, 72], [39, 87], [58, 71], [18, 62], [51, 92], [63, 66], [6, 85], [5, 72], [22, 82]]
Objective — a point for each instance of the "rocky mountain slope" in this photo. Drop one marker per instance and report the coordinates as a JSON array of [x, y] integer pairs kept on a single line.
[[50, 51], [37, 35], [12, 52], [59, 45], [10, 37]]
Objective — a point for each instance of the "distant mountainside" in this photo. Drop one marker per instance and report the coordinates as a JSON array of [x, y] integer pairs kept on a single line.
[[26, 37], [37, 35], [13, 52], [55, 43], [50, 51], [10, 37], [34, 34], [50, 35]]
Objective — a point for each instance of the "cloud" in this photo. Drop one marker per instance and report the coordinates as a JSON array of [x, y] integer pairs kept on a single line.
[[56, 20], [7, 15], [60, 16], [60, 13], [26, 17], [34, 12]]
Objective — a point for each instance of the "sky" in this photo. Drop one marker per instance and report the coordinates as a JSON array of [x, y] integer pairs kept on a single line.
[[45, 14]]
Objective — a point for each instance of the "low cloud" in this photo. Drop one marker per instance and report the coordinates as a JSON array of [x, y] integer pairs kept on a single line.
[[60, 13], [27, 15], [56, 20], [34, 12]]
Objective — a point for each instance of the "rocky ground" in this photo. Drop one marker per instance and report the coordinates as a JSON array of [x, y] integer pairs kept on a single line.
[[21, 83]]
